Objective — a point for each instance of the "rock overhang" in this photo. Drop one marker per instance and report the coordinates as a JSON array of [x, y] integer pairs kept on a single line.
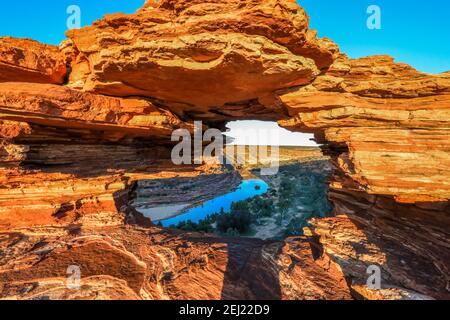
[[385, 123], [205, 54]]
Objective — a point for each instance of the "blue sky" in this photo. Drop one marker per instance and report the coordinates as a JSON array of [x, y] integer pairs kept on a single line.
[[413, 31], [45, 20]]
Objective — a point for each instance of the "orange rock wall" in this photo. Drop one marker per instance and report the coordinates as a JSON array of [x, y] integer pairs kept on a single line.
[[79, 124]]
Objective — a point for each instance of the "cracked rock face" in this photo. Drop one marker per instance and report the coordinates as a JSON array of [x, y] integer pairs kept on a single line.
[[136, 263], [60, 107], [82, 123], [393, 120], [199, 53], [30, 61]]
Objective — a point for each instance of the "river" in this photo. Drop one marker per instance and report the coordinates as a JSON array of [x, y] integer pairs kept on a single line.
[[248, 189]]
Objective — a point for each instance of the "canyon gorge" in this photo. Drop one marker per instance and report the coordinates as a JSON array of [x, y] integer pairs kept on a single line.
[[83, 123]]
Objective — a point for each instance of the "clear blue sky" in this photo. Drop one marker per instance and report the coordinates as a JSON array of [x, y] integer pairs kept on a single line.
[[413, 31]]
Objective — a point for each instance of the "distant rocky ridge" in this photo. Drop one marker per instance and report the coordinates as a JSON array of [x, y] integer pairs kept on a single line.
[[183, 194], [80, 124]]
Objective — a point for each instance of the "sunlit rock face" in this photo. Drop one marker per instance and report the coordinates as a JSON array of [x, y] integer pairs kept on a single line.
[[199, 53], [66, 154], [70, 156], [30, 61], [62, 107], [386, 126], [392, 119], [123, 262]]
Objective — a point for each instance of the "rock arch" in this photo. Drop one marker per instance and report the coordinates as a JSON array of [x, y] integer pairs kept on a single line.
[[77, 147]]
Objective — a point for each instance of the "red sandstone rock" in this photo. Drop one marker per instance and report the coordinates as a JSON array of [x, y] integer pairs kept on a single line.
[[56, 106], [353, 240], [27, 60], [201, 54], [151, 263], [393, 121], [69, 158]]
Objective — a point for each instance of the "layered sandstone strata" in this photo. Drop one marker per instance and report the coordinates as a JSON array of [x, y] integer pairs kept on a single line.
[[60, 107], [387, 127], [393, 120], [203, 55], [70, 156], [31, 61]]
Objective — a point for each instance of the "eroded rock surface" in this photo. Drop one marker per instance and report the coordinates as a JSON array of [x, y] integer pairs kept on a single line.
[[386, 126], [57, 106], [201, 54], [393, 120], [135, 263], [30, 61], [70, 156]]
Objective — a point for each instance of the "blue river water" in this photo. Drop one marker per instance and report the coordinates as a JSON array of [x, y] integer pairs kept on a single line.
[[248, 189]]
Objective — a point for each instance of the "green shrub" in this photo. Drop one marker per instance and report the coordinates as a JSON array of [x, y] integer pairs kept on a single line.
[[237, 220]]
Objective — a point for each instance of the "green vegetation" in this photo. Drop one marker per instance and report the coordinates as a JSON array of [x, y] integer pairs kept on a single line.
[[297, 193], [235, 223], [202, 226]]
